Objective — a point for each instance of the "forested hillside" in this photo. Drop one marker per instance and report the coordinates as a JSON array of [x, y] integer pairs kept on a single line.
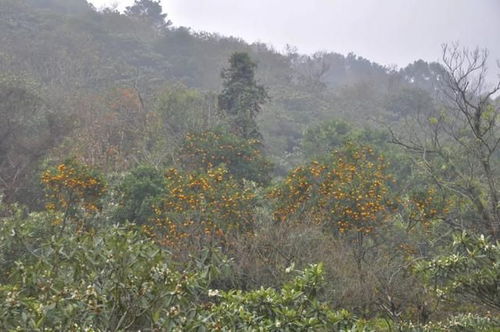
[[156, 178], [66, 53]]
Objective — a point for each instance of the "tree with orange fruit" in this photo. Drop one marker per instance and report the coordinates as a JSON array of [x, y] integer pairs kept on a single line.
[[73, 189], [201, 208], [347, 192]]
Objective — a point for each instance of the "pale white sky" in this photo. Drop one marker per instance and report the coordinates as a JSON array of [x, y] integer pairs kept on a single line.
[[386, 31]]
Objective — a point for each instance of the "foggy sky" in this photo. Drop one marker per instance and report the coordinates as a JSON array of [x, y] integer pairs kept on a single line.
[[390, 32]]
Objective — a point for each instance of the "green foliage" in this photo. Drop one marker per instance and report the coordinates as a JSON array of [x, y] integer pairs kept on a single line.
[[75, 51], [28, 130], [241, 98], [177, 111], [293, 308], [470, 269], [124, 89], [322, 139], [113, 280], [456, 143], [148, 10], [138, 192], [117, 279], [457, 323], [242, 158], [182, 110], [409, 102], [425, 204], [21, 235]]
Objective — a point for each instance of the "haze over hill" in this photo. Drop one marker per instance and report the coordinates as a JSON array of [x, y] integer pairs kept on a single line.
[[390, 32], [155, 177]]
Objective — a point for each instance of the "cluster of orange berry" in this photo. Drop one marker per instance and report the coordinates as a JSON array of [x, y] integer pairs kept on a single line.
[[201, 206], [347, 191], [71, 185]]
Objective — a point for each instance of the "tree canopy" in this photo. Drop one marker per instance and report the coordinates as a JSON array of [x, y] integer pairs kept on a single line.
[[150, 10], [241, 98]]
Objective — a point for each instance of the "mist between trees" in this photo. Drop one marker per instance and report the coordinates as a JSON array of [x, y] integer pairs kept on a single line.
[[153, 178]]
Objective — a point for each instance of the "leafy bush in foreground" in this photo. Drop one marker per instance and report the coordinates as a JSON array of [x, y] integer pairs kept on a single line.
[[458, 323], [293, 308], [471, 270], [115, 279]]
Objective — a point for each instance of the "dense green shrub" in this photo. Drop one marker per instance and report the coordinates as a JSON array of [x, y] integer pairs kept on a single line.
[[137, 193], [113, 280], [243, 158], [116, 279], [470, 270], [293, 308], [459, 323]]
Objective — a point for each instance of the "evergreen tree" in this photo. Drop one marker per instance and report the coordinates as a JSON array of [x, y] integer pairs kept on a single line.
[[150, 10], [241, 97]]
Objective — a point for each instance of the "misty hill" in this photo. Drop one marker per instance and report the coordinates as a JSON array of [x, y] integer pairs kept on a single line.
[[64, 37], [155, 178], [73, 58], [68, 43]]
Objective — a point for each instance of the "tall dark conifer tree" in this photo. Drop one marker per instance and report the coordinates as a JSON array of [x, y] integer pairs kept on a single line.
[[241, 98], [149, 10]]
